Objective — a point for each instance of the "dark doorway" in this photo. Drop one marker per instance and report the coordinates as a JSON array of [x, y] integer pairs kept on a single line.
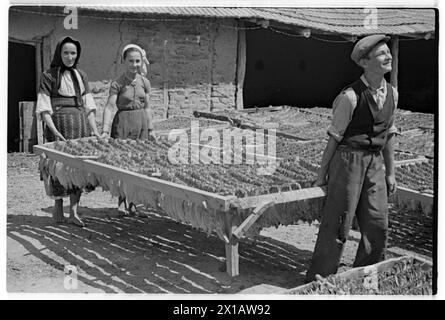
[[310, 72], [21, 86], [418, 75], [296, 71]]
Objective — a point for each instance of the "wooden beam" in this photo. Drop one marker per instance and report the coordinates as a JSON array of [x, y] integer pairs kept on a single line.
[[420, 36], [251, 219], [281, 197], [39, 70], [277, 132], [232, 256], [240, 66], [212, 33], [46, 53], [411, 161], [38, 64], [413, 198], [268, 109], [165, 79], [395, 61], [213, 201]]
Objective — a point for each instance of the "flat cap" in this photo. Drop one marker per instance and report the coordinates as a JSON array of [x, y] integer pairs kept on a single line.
[[365, 45]]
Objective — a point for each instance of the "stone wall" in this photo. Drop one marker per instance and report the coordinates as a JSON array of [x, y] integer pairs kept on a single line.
[[192, 61]]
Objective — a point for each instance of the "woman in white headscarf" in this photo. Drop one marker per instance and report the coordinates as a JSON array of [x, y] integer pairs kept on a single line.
[[130, 94]]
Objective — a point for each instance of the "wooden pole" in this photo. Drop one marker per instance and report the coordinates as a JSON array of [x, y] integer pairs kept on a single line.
[[232, 256], [213, 31], [240, 66], [46, 53], [39, 69], [395, 61], [165, 79]]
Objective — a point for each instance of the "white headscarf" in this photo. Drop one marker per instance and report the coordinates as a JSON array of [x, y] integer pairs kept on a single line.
[[145, 61]]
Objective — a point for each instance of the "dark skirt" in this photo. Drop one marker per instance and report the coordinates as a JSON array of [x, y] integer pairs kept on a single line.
[[71, 123], [130, 124]]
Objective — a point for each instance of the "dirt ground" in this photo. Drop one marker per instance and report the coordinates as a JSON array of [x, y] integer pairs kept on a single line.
[[154, 254]]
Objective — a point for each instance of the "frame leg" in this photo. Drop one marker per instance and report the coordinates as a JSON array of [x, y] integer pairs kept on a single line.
[[232, 256]]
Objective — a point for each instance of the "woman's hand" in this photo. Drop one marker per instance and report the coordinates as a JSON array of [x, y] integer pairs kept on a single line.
[[59, 135], [152, 136], [319, 182], [391, 185], [105, 135]]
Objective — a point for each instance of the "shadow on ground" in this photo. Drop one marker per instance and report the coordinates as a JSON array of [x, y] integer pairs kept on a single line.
[[411, 230], [154, 254]]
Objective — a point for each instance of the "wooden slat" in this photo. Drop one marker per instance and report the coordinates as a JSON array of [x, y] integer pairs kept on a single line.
[[412, 198], [251, 219], [410, 161], [264, 109], [210, 115], [278, 133], [282, 197], [415, 195], [212, 200]]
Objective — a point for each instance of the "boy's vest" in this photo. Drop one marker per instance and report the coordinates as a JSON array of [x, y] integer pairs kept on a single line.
[[369, 126]]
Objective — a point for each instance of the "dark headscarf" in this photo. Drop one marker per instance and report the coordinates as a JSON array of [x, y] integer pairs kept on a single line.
[[57, 58], [58, 63]]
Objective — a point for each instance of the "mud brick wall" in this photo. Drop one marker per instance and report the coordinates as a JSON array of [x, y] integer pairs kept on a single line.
[[192, 60], [193, 64]]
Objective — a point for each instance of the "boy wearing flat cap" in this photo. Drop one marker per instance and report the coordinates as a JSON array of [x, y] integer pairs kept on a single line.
[[358, 163]]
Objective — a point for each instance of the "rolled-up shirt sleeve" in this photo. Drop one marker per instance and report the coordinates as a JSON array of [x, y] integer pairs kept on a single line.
[[43, 96], [342, 108], [43, 104], [89, 103], [392, 126]]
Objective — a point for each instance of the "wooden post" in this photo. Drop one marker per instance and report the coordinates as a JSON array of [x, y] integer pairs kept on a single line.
[[28, 125], [232, 256], [213, 31], [165, 79], [39, 69], [395, 60], [46, 53], [38, 64], [240, 66]]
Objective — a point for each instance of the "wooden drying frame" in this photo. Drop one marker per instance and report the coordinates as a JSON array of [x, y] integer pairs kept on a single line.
[[226, 205]]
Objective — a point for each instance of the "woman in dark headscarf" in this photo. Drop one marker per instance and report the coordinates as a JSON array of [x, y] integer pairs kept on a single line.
[[63, 101]]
